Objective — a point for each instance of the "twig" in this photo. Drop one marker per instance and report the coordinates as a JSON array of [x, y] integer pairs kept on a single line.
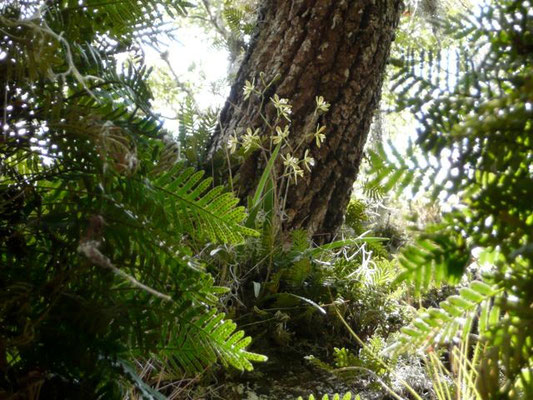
[[89, 249]]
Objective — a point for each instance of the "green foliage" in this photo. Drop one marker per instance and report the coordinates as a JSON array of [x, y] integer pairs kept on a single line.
[[512, 334], [236, 18], [367, 356], [306, 284], [474, 116], [99, 225], [212, 215], [349, 366], [195, 129], [370, 297], [391, 169], [439, 255], [356, 216], [366, 218], [343, 357], [205, 339], [145, 391], [454, 317], [293, 288]]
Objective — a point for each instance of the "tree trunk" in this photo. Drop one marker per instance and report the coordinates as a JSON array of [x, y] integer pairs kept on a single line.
[[331, 48]]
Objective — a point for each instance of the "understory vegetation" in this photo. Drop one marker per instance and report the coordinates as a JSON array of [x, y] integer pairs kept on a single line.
[[127, 273]]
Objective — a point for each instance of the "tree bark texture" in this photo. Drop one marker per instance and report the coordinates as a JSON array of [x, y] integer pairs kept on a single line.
[[337, 49]]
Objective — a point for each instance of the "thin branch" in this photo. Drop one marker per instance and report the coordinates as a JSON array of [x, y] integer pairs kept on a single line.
[[214, 21], [89, 249]]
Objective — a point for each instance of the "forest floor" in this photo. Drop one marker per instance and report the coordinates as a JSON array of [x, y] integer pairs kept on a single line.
[[288, 375], [285, 376]]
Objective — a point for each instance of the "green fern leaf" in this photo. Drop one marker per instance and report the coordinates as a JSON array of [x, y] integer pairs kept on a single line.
[[197, 342], [452, 320], [435, 258], [300, 241], [234, 18], [212, 215]]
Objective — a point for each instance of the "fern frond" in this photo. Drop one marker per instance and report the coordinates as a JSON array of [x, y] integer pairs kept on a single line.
[[319, 363], [512, 334], [433, 259], [454, 318], [344, 357], [197, 342], [239, 20], [298, 272], [475, 113], [356, 215], [96, 179], [389, 170], [381, 272], [300, 241], [202, 213], [234, 18], [373, 191]]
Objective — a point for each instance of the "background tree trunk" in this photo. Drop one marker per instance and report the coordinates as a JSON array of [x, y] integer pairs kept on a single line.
[[336, 49]]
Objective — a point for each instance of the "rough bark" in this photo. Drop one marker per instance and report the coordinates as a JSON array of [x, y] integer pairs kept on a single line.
[[331, 48]]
